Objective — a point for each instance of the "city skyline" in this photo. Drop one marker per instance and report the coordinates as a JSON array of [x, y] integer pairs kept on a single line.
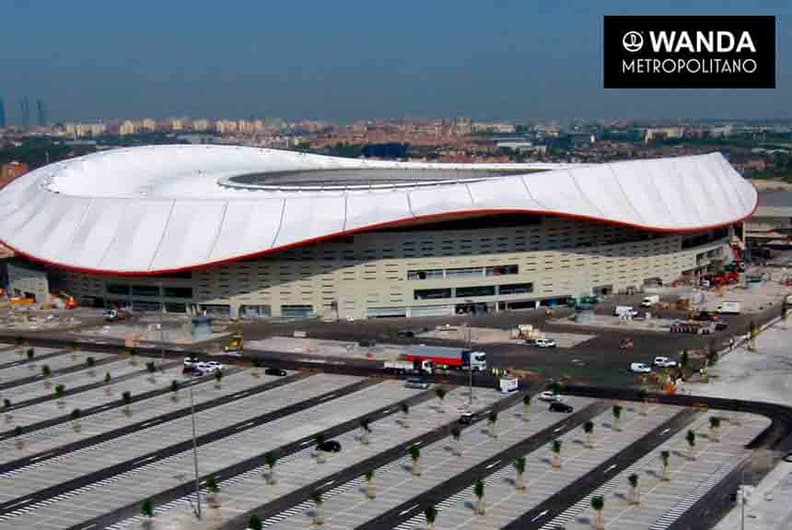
[[347, 62]]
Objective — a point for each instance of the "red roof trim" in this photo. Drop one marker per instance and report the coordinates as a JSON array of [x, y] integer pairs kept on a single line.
[[395, 222]]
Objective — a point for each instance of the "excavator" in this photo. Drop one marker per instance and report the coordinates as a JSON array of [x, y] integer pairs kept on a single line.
[[236, 344]]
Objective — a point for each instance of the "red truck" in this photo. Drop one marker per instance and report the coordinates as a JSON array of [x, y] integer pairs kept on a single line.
[[444, 357]]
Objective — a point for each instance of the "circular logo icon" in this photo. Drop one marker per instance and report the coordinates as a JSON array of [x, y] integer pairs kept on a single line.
[[632, 41]]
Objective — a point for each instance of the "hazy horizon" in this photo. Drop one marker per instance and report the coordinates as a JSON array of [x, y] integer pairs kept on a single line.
[[342, 62]]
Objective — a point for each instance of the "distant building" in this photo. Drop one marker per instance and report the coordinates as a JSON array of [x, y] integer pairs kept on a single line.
[[41, 113], [498, 127], [127, 128], [176, 125], [11, 171], [663, 132], [148, 125], [200, 125], [85, 130], [24, 112]]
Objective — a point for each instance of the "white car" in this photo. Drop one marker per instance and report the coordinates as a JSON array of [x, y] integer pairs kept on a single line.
[[664, 362], [543, 342], [209, 367], [549, 395], [190, 362], [640, 368]]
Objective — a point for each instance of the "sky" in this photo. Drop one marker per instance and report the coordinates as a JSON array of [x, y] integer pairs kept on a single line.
[[344, 60]]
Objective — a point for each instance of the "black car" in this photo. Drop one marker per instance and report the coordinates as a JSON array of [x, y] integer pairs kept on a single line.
[[330, 446], [721, 325], [275, 371], [557, 406]]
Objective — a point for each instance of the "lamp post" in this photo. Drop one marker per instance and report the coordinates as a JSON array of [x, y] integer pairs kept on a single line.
[[161, 329], [195, 457], [470, 368]]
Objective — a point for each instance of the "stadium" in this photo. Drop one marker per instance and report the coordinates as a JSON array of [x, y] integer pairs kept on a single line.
[[262, 233]]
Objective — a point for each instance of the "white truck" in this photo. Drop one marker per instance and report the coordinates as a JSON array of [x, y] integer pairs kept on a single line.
[[408, 367], [650, 300], [729, 308]]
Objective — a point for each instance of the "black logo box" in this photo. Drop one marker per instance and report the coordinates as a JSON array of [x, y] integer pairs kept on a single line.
[[761, 29]]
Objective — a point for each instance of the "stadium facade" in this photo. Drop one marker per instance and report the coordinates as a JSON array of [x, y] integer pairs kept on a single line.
[[263, 233]]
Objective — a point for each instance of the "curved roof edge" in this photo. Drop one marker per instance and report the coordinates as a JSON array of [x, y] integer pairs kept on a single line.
[[149, 236], [327, 237]]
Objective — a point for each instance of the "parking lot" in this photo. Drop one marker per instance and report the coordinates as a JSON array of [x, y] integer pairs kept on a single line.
[[97, 468]]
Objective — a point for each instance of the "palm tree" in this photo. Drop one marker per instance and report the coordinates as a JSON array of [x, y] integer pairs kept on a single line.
[[588, 428], [715, 422], [415, 454], [316, 497], [370, 492], [598, 503], [617, 410], [213, 488], [320, 440], [492, 421], [74, 416], [664, 456], [151, 367], [691, 440], [519, 467], [20, 443], [430, 512], [126, 397], [254, 523], [269, 461], [684, 360], [60, 393], [557, 453], [634, 496], [30, 354], [218, 375], [441, 394], [526, 406], [643, 395], [456, 434], [107, 380], [46, 371], [174, 387], [405, 408], [753, 330], [478, 491], [147, 509], [365, 430]]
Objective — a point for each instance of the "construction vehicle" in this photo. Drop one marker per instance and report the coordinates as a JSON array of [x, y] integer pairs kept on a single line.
[[236, 344]]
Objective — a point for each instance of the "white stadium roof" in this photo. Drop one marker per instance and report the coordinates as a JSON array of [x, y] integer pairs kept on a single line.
[[157, 209]]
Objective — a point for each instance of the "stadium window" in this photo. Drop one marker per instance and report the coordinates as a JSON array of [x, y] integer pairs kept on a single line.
[[145, 290], [427, 274], [476, 290], [178, 292], [117, 288], [501, 270], [464, 272], [515, 288], [431, 294]]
